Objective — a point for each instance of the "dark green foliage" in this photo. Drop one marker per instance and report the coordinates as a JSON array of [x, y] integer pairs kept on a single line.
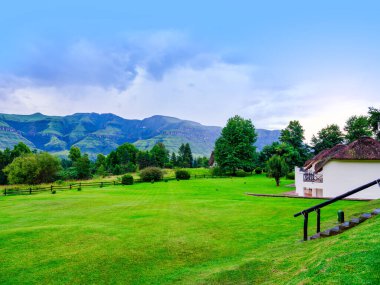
[[374, 121], [74, 153], [201, 162], [217, 171], [83, 167], [277, 168], [68, 173], [291, 175], [33, 169], [150, 174], [241, 173], [327, 138], [144, 159], [127, 179], [173, 159], [182, 174], [291, 156], [357, 127], [293, 136], [258, 170], [235, 149], [185, 157], [159, 155]]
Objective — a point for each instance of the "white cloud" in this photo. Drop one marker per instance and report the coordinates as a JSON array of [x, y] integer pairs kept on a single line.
[[162, 74]]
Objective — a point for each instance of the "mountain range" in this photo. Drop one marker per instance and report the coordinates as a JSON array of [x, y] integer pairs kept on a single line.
[[100, 133]]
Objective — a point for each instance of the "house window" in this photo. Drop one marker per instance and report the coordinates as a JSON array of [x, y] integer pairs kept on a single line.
[[307, 192], [319, 192]]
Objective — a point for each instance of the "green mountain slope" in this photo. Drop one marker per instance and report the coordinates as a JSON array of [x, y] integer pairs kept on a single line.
[[100, 133]]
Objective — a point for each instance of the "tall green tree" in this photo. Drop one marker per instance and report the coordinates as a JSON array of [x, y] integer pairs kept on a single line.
[[74, 153], [159, 155], [235, 149], [293, 135], [277, 168], [374, 121], [185, 156], [357, 127], [327, 138], [83, 167]]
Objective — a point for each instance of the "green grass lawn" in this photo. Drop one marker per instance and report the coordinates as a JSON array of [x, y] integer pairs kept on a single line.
[[201, 231]]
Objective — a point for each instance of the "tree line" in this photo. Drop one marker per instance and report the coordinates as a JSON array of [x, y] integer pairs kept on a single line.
[[235, 149], [21, 165]]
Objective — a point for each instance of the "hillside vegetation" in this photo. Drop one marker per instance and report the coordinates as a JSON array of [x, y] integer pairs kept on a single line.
[[202, 231]]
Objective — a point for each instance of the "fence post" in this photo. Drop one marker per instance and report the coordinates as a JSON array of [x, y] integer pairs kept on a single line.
[[101, 184], [51, 188], [30, 190], [5, 192]]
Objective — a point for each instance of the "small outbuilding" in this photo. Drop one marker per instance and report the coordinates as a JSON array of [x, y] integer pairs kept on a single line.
[[340, 169]]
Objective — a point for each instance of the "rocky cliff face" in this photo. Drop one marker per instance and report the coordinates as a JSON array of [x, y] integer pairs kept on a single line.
[[101, 133]]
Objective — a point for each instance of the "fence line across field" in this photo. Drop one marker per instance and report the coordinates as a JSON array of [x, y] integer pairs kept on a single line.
[[79, 185]]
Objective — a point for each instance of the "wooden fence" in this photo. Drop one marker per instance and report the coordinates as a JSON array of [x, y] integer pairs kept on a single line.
[[75, 186]]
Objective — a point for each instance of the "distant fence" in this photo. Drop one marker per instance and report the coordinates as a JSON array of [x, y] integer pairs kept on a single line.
[[80, 185]]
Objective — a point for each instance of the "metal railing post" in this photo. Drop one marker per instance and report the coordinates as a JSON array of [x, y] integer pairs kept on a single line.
[[305, 222], [318, 220]]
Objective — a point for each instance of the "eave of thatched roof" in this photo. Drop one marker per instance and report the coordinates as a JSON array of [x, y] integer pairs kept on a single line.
[[364, 148]]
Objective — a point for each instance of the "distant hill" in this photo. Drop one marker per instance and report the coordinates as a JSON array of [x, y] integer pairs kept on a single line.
[[100, 133]]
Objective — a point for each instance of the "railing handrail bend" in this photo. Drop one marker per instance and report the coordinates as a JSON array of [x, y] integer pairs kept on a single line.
[[337, 198]]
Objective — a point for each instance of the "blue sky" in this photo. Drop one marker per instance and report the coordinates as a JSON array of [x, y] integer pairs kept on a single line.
[[270, 61]]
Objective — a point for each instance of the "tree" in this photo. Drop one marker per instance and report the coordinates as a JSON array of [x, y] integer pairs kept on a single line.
[[33, 169], [185, 156], [293, 135], [235, 149], [291, 156], [144, 159], [327, 138], [277, 168], [159, 155], [173, 160], [83, 167], [74, 153], [357, 127], [374, 121], [19, 149]]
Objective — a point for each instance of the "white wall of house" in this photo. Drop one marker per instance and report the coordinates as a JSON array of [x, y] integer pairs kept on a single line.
[[340, 176], [301, 185]]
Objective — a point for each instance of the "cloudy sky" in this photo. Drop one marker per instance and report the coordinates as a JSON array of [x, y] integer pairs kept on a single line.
[[269, 61]]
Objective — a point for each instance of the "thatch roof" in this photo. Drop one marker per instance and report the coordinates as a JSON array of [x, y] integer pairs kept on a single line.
[[364, 148]]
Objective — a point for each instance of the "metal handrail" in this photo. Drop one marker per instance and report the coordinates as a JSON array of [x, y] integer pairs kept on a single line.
[[317, 208]]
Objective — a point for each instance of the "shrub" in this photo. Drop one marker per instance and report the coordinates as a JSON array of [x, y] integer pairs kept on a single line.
[[217, 171], [258, 170], [127, 179], [290, 175], [182, 174], [53, 192], [241, 173], [150, 174]]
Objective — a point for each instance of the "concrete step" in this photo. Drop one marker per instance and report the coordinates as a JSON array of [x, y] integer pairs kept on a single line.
[[347, 225], [366, 215], [356, 221], [376, 212]]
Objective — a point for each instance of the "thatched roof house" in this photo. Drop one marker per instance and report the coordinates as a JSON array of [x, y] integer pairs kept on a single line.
[[339, 169]]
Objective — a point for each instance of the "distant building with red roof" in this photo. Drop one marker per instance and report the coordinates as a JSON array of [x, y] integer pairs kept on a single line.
[[340, 169]]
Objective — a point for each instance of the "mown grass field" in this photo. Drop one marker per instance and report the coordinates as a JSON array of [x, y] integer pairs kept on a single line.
[[201, 231]]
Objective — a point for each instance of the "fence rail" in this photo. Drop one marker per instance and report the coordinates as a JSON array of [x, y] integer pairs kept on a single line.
[[79, 185]]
